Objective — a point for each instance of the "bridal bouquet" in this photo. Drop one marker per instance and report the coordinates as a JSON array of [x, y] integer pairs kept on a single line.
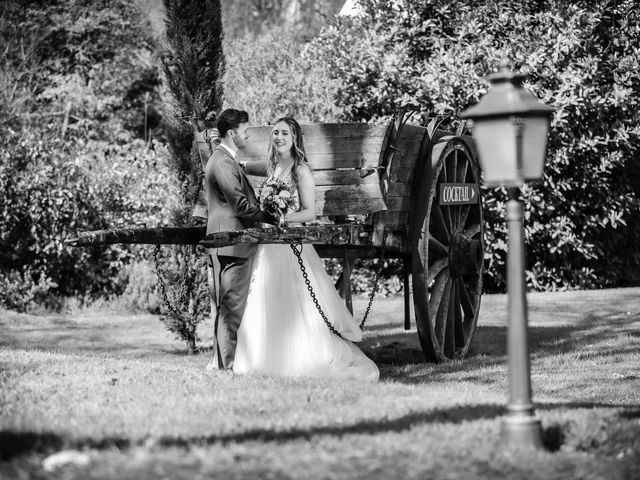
[[276, 198]]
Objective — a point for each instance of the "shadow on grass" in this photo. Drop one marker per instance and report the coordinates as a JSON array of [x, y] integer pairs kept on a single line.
[[111, 350], [14, 444], [594, 335]]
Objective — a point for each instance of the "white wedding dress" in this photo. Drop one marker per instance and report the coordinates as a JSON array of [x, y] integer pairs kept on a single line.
[[282, 332]]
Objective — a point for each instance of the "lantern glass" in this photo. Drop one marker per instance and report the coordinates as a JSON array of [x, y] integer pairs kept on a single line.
[[497, 139], [534, 146]]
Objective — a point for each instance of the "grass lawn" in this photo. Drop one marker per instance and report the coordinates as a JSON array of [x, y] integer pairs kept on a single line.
[[120, 391]]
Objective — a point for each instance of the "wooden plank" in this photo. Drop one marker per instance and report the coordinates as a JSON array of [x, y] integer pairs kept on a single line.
[[323, 161], [154, 236], [346, 234], [349, 206], [330, 177], [344, 160], [365, 190], [407, 156], [408, 147], [345, 192], [325, 130], [399, 190], [413, 133], [370, 141], [344, 177], [401, 174], [391, 217], [401, 204], [316, 145]]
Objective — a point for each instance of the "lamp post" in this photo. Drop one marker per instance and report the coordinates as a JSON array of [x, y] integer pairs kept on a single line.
[[510, 127]]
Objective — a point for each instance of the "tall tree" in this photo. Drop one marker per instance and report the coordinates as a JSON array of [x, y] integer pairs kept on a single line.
[[192, 66]]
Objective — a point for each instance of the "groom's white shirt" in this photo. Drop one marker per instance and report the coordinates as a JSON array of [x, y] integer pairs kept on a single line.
[[230, 151]]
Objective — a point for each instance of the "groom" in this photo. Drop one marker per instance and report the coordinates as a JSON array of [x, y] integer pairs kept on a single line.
[[232, 205]]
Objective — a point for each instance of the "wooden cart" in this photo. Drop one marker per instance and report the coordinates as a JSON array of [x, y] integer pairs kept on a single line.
[[392, 191]]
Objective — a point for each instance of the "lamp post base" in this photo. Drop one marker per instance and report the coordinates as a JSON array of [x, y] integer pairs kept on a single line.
[[522, 429]]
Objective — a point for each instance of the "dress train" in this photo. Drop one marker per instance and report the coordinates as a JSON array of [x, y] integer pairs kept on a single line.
[[282, 332]]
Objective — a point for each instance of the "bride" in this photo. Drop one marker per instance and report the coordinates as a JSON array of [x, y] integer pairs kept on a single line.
[[282, 332]]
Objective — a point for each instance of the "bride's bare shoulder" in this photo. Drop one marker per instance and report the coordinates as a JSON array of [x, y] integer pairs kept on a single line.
[[304, 170]]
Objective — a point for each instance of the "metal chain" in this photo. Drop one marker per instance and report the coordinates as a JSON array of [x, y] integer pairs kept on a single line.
[[374, 289], [163, 288], [165, 298], [310, 288], [298, 253], [183, 288]]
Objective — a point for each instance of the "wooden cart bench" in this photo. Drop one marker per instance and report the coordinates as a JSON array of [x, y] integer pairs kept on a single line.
[[394, 191]]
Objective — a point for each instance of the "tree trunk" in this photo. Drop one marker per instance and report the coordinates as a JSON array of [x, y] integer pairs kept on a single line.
[[191, 345]]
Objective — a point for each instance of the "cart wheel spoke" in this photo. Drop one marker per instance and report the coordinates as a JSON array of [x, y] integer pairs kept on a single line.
[[463, 167], [435, 269], [472, 231], [460, 339], [449, 337], [465, 300], [450, 169], [463, 216], [442, 226], [443, 309], [437, 248]]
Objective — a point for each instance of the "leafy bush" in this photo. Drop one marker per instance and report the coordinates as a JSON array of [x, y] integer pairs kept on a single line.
[[142, 292], [582, 227], [23, 290], [187, 303], [77, 111], [271, 75], [49, 197]]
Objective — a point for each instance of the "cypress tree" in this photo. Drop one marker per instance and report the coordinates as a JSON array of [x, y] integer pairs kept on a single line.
[[192, 65], [192, 68]]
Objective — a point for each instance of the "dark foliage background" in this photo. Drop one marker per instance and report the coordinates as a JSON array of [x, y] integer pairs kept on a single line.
[[83, 145], [79, 106], [582, 226]]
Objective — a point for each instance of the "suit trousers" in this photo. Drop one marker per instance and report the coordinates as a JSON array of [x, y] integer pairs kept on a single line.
[[234, 277]]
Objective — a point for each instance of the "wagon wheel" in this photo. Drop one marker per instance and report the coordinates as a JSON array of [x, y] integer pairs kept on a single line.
[[447, 254]]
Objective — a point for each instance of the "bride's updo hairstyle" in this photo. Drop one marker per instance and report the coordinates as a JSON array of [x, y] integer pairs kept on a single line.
[[297, 148]]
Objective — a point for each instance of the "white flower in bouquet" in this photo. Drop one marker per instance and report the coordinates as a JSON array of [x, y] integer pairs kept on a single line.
[[276, 198], [266, 192]]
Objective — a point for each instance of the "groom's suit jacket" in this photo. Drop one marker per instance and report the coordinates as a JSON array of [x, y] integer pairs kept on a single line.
[[232, 202]]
